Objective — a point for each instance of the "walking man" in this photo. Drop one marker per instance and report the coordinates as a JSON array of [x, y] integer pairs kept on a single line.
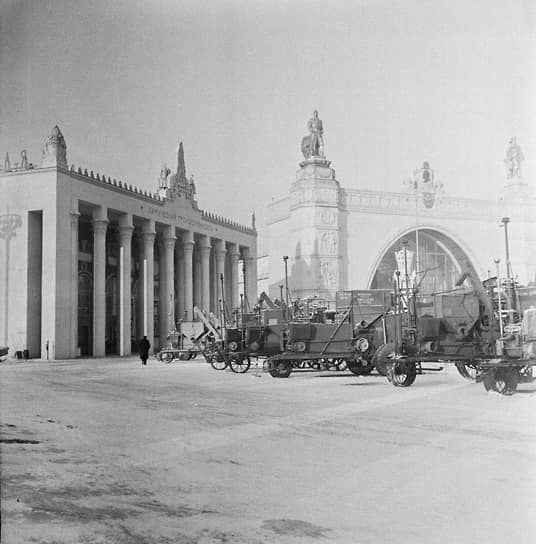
[[144, 350]]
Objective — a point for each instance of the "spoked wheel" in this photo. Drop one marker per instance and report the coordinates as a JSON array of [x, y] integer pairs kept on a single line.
[[469, 372], [501, 380], [281, 369], [240, 364], [401, 373], [381, 358], [166, 357], [217, 362]]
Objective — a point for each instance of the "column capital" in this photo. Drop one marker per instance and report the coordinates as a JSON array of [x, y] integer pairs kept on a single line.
[[220, 246], [100, 226], [234, 252], [148, 237], [169, 242], [220, 253], [188, 246], [75, 216], [248, 253], [205, 242], [125, 232], [187, 237]]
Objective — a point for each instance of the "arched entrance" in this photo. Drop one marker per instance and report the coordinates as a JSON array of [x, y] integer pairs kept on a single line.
[[434, 267]]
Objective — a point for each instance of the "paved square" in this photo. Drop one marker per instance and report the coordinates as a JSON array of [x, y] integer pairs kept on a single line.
[[108, 451]]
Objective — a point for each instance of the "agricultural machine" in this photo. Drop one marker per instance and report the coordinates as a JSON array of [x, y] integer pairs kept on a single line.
[[180, 342], [487, 331]]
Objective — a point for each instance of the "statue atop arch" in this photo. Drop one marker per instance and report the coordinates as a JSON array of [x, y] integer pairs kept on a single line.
[[514, 157], [313, 144]]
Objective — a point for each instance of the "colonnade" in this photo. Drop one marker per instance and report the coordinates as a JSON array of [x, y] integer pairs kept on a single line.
[[186, 259]]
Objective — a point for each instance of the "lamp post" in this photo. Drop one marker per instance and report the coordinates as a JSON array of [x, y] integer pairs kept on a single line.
[[504, 223], [285, 258]]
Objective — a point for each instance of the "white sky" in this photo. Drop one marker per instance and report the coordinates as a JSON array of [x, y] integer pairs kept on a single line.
[[395, 83]]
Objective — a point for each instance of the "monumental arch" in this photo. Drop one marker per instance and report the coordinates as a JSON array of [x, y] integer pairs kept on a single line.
[[88, 264], [337, 238]]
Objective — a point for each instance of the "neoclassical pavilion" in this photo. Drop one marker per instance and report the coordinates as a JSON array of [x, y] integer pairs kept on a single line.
[[88, 264], [339, 238]]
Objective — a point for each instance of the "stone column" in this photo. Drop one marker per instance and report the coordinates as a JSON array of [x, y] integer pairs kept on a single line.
[[100, 226], [148, 236], [235, 256], [205, 273], [167, 314], [220, 270], [125, 255], [250, 262], [179, 281], [197, 277], [74, 283], [188, 245]]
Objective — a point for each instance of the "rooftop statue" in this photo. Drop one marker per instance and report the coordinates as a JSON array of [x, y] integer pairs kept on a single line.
[[192, 186], [513, 159], [55, 149], [313, 145], [163, 177]]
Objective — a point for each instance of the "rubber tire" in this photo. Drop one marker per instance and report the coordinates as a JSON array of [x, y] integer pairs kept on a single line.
[[501, 380], [464, 372], [282, 369], [380, 360], [240, 365], [166, 357], [397, 369]]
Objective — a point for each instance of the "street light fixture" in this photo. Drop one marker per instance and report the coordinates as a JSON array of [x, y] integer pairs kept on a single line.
[[504, 223]]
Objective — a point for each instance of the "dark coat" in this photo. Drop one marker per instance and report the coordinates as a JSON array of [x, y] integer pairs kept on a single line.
[[144, 348]]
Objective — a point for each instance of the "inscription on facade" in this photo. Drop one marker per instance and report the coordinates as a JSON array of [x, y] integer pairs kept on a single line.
[[180, 219]]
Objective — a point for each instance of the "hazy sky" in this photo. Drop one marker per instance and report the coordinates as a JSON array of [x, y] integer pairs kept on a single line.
[[395, 83]]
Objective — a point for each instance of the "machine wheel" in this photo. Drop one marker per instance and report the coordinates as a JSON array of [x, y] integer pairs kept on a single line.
[[166, 357], [469, 372], [358, 368], [401, 373], [240, 364], [381, 360], [184, 355], [502, 380], [281, 369], [218, 362], [342, 365], [192, 355]]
